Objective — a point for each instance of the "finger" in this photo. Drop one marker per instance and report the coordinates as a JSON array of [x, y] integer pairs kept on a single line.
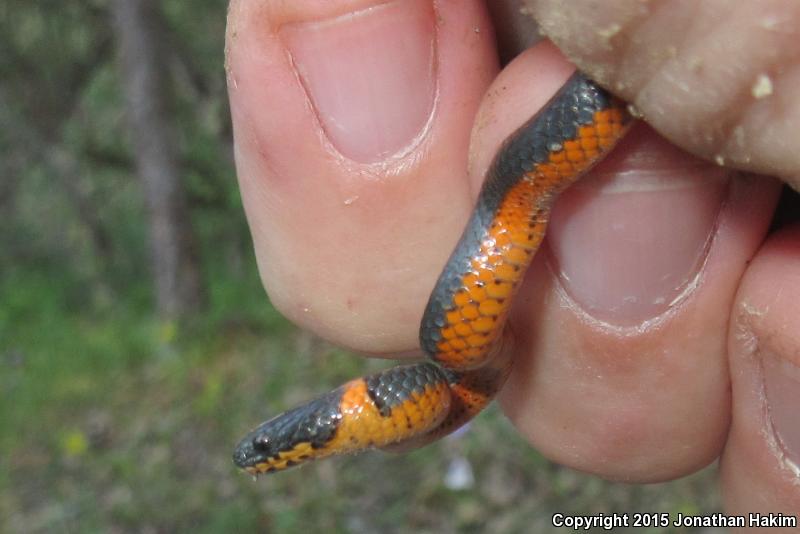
[[760, 467], [621, 364], [516, 31], [717, 78], [351, 123]]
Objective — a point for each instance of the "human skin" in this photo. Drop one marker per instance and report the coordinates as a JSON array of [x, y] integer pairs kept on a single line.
[[651, 334]]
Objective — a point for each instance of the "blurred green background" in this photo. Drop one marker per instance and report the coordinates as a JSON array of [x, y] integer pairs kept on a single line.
[[118, 410]]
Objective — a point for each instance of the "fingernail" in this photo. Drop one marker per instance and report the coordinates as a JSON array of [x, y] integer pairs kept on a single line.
[[370, 76], [629, 245], [782, 386]]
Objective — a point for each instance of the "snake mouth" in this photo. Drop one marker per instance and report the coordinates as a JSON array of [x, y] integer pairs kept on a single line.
[[245, 454], [257, 453], [265, 445]]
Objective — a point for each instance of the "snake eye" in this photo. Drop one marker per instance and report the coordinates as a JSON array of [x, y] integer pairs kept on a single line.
[[261, 442]]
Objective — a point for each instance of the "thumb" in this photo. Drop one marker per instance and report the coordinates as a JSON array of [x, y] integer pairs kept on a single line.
[[721, 87]]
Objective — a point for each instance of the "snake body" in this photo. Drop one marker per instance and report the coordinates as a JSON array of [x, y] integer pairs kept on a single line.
[[463, 327]]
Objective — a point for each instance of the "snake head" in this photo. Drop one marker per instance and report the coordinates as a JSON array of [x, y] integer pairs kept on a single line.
[[294, 437]]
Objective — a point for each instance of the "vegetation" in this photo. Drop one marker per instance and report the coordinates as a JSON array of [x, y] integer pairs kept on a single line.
[[114, 418]]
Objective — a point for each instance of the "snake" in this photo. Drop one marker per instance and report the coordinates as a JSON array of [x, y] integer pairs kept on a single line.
[[463, 330]]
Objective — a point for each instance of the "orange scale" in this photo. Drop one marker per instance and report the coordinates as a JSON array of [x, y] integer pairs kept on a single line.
[[506, 272], [525, 196], [506, 250], [495, 260], [514, 217], [413, 416], [531, 175], [453, 317], [446, 356], [503, 239], [470, 279], [499, 290], [575, 156], [515, 212], [463, 329], [522, 239], [482, 325], [449, 333], [571, 145], [564, 168], [499, 225], [556, 157], [508, 208], [487, 245], [589, 143], [485, 276], [399, 415], [586, 131], [491, 308], [461, 298], [477, 293], [554, 171], [537, 173], [552, 181], [603, 130], [604, 115], [547, 177], [477, 340], [473, 352], [470, 311], [458, 344], [551, 175], [494, 231]]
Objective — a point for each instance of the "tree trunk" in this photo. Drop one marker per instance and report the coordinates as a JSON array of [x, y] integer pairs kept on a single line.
[[139, 31]]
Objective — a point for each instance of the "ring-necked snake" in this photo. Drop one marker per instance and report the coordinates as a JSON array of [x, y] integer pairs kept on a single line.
[[463, 326]]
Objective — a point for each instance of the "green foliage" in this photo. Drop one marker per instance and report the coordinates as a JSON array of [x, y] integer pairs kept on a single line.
[[116, 414]]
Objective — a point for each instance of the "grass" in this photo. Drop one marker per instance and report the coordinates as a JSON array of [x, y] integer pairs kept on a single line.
[[113, 422]]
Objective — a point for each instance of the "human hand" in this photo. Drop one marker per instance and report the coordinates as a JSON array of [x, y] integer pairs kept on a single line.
[[358, 171], [720, 80]]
